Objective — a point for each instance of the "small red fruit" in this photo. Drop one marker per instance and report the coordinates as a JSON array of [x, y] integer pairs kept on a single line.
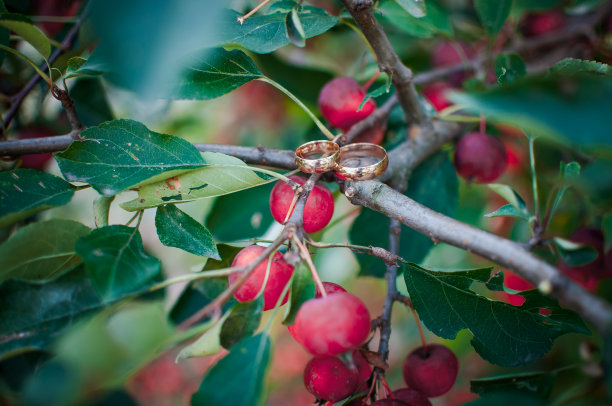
[[374, 135], [364, 371], [447, 54], [339, 102], [390, 402], [590, 274], [515, 282], [535, 24], [317, 212], [436, 94], [330, 379], [431, 370], [411, 397], [480, 157], [35, 161], [280, 273], [333, 324]]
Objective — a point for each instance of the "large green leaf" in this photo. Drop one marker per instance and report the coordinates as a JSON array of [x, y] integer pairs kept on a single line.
[[121, 154], [90, 101], [433, 184], [302, 289], [508, 399], [539, 384], [23, 192], [177, 229], [415, 8], [26, 29], [238, 378], [116, 260], [554, 106], [222, 174], [41, 251], [242, 322], [493, 14], [503, 334], [435, 22], [213, 73]]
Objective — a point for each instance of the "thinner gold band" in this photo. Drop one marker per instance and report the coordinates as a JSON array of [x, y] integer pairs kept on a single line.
[[325, 163]]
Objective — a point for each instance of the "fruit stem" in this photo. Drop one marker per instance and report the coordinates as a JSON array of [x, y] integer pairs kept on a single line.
[[291, 207], [534, 181], [371, 81], [306, 256], [243, 18], [418, 322], [314, 118]]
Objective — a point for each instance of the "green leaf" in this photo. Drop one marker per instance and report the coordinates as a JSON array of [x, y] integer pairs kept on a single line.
[[567, 173], [538, 384], [121, 154], [102, 209], [25, 28], [436, 21], [42, 251], [295, 30], [24, 192], [89, 97], [556, 107], [81, 67], [511, 196], [503, 334], [177, 229], [5, 34], [213, 73], [415, 8], [509, 67], [575, 254], [434, 184], [572, 66], [507, 211], [493, 14], [238, 378], [242, 322], [606, 227], [508, 399], [222, 174], [302, 289], [208, 343], [116, 260]]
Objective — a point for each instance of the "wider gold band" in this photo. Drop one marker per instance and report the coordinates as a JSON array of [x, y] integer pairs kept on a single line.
[[327, 152], [358, 153]]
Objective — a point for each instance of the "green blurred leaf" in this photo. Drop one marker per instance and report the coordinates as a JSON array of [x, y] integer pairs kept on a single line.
[[511, 196], [572, 66], [213, 73], [539, 384], [508, 211], [5, 34], [509, 67], [508, 399], [90, 101], [521, 6], [446, 304], [177, 229], [493, 14], [567, 172], [242, 322], [208, 343], [556, 107], [436, 21], [102, 209], [24, 192], [41, 251], [294, 28], [302, 289], [222, 174], [415, 8], [121, 154], [575, 254], [434, 184], [606, 227], [238, 378], [80, 67], [116, 260], [25, 28]]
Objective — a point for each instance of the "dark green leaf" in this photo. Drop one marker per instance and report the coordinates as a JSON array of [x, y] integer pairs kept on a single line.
[[81, 67], [509, 67], [493, 14], [446, 305], [433, 184], [5, 34], [302, 289], [121, 154], [102, 210], [572, 66], [295, 30], [116, 260], [415, 8], [42, 251], [575, 254], [238, 378], [213, 73], [606, 227], [89, 98], [26, 29], [520, 6], [177, 229], [242, 322], [507, 211], [539, 384], [554, 107], [508, 399], [230, 219], [435, 22], [567, 174], [24, 192], [222, 174], [511, 196]]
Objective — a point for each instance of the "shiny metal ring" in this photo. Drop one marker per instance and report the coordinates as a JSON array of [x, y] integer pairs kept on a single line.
[[326, 152], [352, 156]]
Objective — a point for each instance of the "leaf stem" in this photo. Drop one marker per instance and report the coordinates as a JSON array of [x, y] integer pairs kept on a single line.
[[534, 181], [194, 277], [306, 256], [243, 18]]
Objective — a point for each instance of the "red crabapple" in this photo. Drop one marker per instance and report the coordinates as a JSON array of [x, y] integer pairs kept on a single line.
[[333, 324], [35, 161], [431, 370], [447, 54], [280, 273], [412, 397], [389, 402], [339, 102], [328, 378], [319, 205], [374, 135], [515, 282], [535, 24], [480, 157], [436, 94], [364, 370], [590, 274]]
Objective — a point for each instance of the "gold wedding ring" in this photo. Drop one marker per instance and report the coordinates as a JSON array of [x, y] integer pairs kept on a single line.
[[317, 156], [352, 157]]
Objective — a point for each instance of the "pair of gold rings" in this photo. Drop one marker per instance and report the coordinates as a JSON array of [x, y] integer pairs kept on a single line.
[[359, 161]]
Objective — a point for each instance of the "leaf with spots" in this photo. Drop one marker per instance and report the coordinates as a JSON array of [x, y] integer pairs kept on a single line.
[[503, 334], [24, 192], [123, 154]]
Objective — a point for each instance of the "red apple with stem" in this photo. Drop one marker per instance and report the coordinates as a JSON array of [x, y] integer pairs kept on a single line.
[[431, 370], [339, 102], [480, 157]]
